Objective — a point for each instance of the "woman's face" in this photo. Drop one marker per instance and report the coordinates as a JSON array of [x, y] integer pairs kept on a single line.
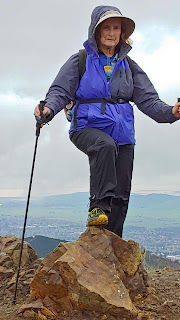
[[110, 32]]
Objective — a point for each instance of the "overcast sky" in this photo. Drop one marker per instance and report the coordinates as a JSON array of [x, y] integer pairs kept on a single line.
[[37, 37]]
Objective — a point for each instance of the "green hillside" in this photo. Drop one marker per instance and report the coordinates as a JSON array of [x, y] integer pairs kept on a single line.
[[43, 245]]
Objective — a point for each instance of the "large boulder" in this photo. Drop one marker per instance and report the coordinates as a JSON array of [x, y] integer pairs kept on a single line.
[[10, 250], [9, 260], [99, 272]]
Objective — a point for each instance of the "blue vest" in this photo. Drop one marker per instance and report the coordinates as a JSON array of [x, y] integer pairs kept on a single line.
[[118, 120]]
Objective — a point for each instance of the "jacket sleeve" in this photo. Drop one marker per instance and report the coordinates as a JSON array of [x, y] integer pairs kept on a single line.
[[63, 88], [146, 98]]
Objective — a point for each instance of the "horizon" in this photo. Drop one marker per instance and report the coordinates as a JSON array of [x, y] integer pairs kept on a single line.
[[151, 192]]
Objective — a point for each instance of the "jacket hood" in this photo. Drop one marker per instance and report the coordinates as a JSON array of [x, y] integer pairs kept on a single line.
[[97, 13]]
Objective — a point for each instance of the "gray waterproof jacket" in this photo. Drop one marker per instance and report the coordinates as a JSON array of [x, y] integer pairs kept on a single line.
[[130, 84]]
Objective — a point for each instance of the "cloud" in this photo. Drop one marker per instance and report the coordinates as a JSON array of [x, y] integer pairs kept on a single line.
[[56, 159], [160, 63]]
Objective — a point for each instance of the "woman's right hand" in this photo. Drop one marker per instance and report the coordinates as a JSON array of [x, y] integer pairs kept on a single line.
[[176, 110], [37, 113]]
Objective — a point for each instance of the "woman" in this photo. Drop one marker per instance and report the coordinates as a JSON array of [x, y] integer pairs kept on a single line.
[[102, 119]]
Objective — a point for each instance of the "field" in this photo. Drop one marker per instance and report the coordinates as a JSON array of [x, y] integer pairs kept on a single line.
[[141, 217]]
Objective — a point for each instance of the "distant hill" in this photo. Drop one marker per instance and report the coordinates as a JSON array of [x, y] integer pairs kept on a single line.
[[81, 199], [150, 211], [43, 245]]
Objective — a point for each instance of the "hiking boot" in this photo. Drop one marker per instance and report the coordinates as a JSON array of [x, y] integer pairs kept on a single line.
[[97, 217]]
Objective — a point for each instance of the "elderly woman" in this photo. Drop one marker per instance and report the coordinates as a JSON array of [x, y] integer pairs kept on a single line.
[[102, 123]]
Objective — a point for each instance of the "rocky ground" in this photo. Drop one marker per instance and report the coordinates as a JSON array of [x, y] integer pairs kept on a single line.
[[161, 301], [164, 305]]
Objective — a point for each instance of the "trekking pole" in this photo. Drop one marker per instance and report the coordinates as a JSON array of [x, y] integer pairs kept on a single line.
[[39, 124]]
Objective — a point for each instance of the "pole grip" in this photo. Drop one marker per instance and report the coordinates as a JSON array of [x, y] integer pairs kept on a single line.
[[42, 120], [178, 99], [41, 108]]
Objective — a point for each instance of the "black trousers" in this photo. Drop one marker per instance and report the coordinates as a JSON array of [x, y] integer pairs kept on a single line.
[[111, 169]]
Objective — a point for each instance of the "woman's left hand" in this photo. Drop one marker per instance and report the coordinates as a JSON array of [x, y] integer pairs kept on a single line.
[[176, 110]]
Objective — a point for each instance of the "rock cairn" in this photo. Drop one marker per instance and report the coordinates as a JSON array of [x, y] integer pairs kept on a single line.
[[99, 274]]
